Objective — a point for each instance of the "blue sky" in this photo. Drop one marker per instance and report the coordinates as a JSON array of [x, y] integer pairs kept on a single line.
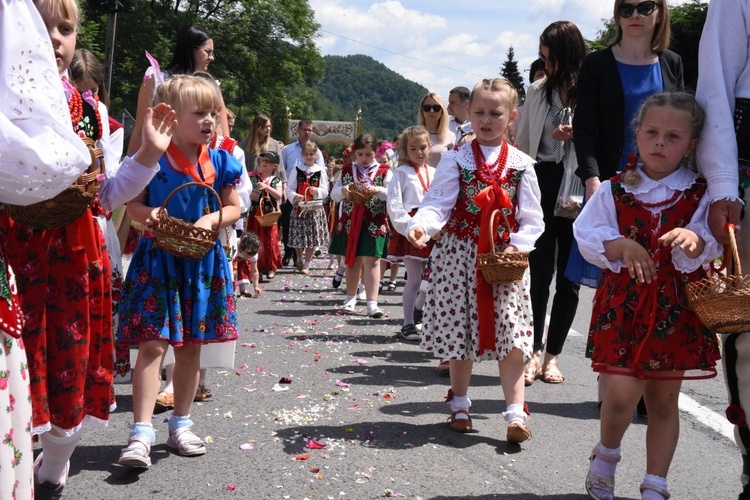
[[444, 43]]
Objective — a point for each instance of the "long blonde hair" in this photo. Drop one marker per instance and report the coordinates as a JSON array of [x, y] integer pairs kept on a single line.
[[442, 122], [407, 135]]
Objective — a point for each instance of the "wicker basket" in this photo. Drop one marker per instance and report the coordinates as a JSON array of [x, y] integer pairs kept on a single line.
[[267, 219], [67, 206], [500, 268], [722, 301], [181, 238], [359, 193]]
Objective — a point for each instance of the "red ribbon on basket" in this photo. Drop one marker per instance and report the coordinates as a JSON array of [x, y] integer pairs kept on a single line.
[[357, 217], [488, 200]]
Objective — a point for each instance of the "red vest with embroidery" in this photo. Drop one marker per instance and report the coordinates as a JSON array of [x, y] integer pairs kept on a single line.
[[226, 143], [465, 219], [376, 217], [312, 181]]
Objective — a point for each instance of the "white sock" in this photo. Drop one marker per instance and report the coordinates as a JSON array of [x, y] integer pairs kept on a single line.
[[460, 403], [202, 377], [515, 413], [603, 467], [350, 299], [306, 265], [372, 304], [661, 482], [57, 452]]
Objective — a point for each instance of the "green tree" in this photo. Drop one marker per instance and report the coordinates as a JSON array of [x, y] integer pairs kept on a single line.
[[265, 49], [510, 72]]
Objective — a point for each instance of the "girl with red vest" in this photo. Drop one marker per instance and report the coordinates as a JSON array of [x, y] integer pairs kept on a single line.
[[647, 229], [465, 318], [362, 231]]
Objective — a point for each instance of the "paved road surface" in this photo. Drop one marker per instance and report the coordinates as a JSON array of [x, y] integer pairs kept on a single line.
[[377, 404]]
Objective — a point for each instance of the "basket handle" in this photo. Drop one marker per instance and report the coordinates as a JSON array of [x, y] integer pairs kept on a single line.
[[492, 225], [260, 202], [164, 204], [735, 260]]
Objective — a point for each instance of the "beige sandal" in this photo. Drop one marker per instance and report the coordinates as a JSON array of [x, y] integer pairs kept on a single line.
[[186, 442], [603, 483], [645, 485], [531, 370], [551, 373]]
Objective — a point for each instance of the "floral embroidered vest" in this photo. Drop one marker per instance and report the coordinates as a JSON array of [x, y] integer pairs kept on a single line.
[[639, 224], [270, 204], [464, 221], [376, 217], [312, 181]]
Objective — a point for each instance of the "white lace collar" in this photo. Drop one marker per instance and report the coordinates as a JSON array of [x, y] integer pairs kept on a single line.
[[679, 180], [465, 158]]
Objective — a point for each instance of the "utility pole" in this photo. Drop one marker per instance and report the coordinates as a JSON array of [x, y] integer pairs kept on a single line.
[[109, 50]]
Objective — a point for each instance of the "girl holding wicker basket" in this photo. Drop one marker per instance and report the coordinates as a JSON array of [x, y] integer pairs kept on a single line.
[[362, 230], [646, 227], [467, 319], [171, 297]]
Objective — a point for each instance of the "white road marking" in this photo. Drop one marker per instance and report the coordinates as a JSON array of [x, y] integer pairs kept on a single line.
[[706, 416]]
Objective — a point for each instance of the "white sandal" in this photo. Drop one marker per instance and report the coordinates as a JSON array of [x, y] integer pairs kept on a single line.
[[136, 453], [186, 442]]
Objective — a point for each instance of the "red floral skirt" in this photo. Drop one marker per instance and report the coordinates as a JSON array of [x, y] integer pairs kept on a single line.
[[66, 298], [269, 256]]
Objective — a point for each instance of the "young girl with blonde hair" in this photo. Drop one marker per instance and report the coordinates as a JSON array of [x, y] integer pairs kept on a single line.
[[172, 300], [467, 319]]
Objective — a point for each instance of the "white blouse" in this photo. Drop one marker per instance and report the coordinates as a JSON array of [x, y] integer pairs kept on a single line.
[[438, 205], [40, 155], [291, 187], [405, 193], [598, 224]]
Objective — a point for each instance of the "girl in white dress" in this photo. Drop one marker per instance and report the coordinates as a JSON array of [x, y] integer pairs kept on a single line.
[[466, 319]]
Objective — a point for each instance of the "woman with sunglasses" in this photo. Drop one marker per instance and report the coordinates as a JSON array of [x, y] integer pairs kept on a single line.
[[194, 51], [614, 82], [433, 116], [545, 133]]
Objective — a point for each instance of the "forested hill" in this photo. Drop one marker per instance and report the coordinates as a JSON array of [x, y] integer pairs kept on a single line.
[[388, 101]]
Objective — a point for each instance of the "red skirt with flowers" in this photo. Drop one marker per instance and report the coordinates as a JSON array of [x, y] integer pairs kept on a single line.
[[269, 255], [66, 298], [399, 247]]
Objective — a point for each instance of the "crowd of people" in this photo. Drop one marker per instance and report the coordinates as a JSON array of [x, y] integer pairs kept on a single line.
[[212, 217]]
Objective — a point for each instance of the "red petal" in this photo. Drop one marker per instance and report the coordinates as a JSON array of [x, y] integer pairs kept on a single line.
[[314, 445], [304, 456]]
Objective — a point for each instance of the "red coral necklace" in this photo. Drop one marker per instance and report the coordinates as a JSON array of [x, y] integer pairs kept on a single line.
[[490, 175]]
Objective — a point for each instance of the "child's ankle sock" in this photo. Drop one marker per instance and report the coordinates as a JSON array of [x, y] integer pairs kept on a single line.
[[515, 413], [306, 265], [372, 305], [350, 300], [460, 403], [142, 430], [57, 451], [179, 421], [604, 467], [659, 482]]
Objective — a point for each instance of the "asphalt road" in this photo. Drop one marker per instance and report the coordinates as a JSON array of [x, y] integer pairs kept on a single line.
[[376, 403]]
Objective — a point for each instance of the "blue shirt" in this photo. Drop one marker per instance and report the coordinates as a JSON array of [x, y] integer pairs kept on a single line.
[[638, 84]]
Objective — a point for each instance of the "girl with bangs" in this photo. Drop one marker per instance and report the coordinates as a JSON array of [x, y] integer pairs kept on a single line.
[[170, 300]]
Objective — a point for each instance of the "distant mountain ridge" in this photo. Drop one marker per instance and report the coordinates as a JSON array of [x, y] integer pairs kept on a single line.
[[389, 102]]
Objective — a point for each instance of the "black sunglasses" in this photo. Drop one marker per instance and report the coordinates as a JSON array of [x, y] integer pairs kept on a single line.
[[431, 107], [644, 8]]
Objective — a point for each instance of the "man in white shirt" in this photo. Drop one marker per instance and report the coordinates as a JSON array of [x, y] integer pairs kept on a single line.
[[458, 107], [292, 156], [724, 160]]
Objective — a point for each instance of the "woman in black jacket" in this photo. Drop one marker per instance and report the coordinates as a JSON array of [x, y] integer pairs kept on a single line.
[[614, 82]]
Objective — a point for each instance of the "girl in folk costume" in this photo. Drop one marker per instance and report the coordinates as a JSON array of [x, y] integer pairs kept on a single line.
[[248, 249], [465, 318], [64, 278], [411, 182], [361, 232], [265, 198], [647, 228], [171, 300], [308, 226], [41, 155]]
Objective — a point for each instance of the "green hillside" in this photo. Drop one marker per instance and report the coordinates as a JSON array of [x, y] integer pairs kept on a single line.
[[388, 100]]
